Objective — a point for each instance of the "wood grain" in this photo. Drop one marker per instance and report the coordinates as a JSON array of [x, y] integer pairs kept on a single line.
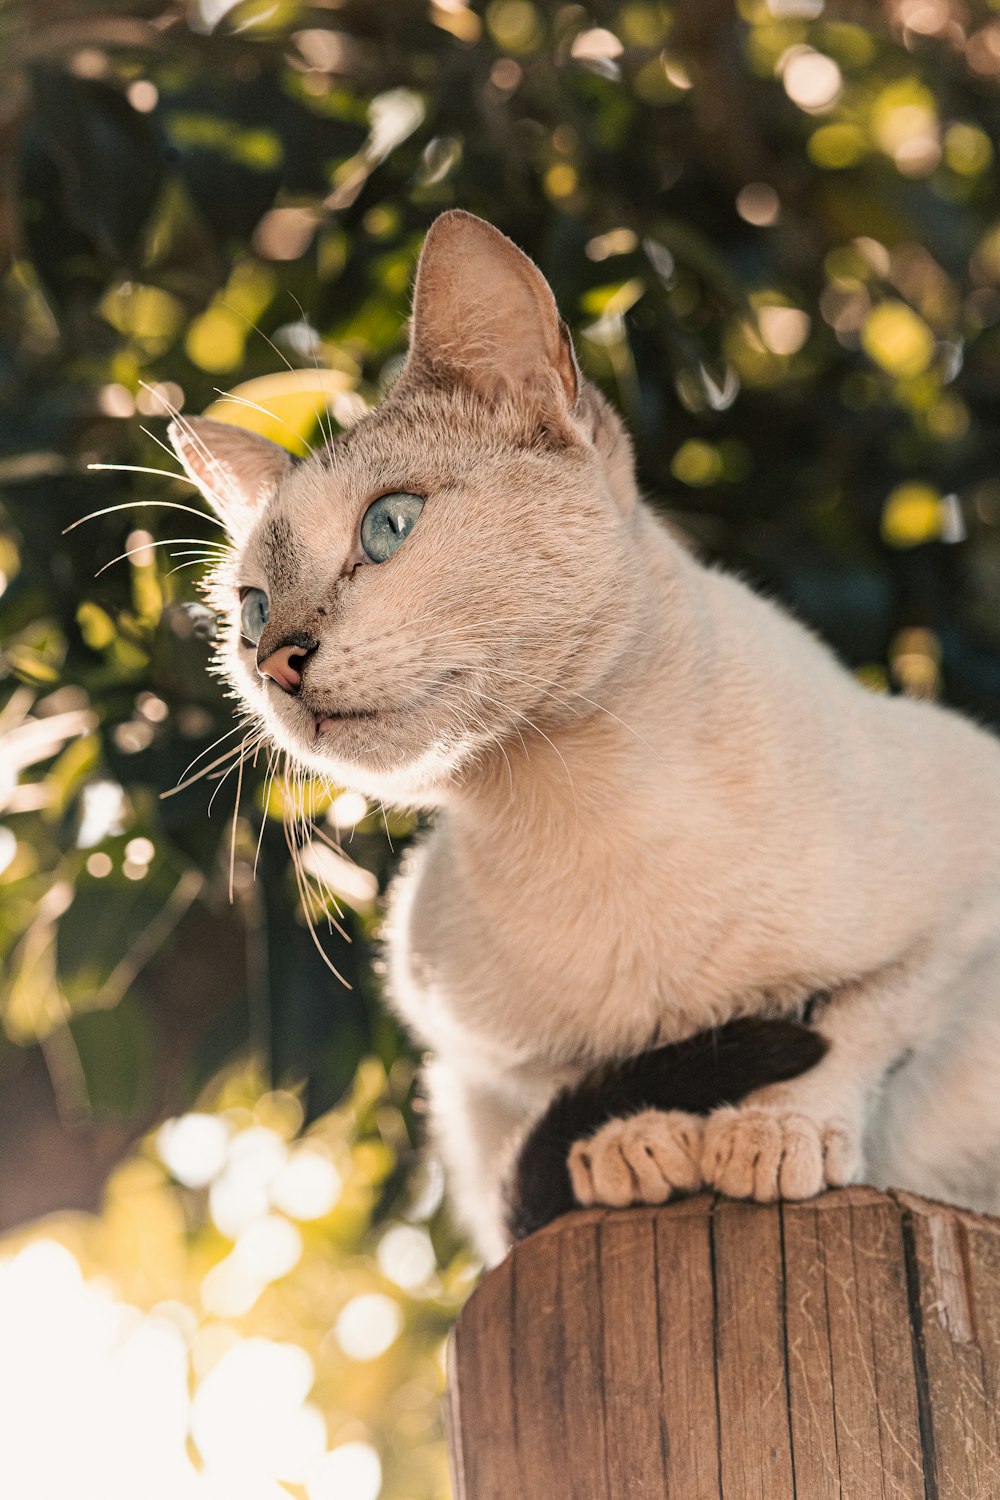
[[842, 1349]]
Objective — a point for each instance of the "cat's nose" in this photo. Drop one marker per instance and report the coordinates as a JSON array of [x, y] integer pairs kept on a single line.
[[284, 665]]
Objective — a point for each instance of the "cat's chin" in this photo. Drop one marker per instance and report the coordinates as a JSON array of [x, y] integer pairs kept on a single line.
[[375, 752]]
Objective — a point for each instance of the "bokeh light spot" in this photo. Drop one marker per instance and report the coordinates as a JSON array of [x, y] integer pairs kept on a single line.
[[285, 233], [406, 1256], [836, 146], [896, 338], [614, 242], [270, 1248], [758, 204], [215, 340], [596, 43], [783, 329], [8, 848], [560, 180], [241, 1193], [912, 514], [351, 1471], [143, 95], [104, 810], [193, 1148], [514, 25], [347, 809], [697, 463], [915, 660], [967, 149], [249, 1415], [307, 1186], [367, 1325], [811, 80], [115, 401]]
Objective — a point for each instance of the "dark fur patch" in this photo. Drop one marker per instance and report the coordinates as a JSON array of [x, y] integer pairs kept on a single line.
[[280, 552], [698, 1075]]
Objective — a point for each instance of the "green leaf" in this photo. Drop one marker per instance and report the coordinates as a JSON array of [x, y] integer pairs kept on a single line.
[[117, 923], [117, 1056]]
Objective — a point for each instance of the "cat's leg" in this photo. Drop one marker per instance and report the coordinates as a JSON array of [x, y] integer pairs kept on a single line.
[[643, 1158], [791, 1140], [476, 1128], [650, 1111]]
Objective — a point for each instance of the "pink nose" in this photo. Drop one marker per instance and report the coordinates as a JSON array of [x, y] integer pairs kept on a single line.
[[280, 667]]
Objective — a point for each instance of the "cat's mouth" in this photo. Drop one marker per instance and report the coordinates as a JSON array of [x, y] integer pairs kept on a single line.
[[322, 722], [325, 720]]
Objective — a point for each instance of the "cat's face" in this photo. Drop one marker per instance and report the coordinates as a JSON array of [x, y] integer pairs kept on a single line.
[[447, 576]]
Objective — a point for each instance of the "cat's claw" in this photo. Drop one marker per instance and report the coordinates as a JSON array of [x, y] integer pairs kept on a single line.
[[765, 1155], [645, 1158]]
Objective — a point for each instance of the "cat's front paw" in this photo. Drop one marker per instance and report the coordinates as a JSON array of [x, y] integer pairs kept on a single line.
[[644, 1158], [766, 1155]]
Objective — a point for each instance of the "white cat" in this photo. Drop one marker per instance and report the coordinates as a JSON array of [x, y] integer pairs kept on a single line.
[[662, 802]]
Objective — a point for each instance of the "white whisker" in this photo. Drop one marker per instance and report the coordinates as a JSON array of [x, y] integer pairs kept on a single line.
[[145, 469], [170, 541], [236, 729], [108, 510], [225, 776], [236, 816]]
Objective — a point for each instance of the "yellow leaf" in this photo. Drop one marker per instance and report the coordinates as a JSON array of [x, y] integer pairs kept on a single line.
[[96, 625], [285, 407], [614, 300], [145, 312]]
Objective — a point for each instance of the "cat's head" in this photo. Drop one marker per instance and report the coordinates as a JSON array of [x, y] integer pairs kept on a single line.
[[448, 575]]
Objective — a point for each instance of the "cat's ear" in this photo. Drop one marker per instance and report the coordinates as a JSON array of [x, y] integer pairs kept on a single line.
[[236, 470], [484, 316]]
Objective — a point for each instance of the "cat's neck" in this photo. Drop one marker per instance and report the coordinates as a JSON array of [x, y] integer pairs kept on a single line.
[[568, 772]]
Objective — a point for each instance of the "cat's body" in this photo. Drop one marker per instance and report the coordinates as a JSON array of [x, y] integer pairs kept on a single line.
[[662, 803], [764, 828]]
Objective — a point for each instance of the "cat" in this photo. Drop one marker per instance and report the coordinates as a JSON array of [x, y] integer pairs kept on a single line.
[[662, 804]]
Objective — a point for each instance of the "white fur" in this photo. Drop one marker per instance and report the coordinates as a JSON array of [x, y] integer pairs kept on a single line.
[[662, 803], [763, 828]]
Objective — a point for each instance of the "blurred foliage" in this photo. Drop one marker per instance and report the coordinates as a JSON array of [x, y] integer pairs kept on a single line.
[[774, 229]]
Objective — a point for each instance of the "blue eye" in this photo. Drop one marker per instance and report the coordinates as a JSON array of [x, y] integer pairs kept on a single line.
[[387, 523], [253, 614]]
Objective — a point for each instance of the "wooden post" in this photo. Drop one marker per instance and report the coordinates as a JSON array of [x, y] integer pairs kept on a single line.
[[842, 1349]]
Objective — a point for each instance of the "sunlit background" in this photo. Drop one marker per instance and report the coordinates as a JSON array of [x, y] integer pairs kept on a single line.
[[775, 230], [232, 1325]]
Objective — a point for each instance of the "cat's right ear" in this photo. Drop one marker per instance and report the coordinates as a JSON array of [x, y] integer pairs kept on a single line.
[[484, 317], [236, 471]]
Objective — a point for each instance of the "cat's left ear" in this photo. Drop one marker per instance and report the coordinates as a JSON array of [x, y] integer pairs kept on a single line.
[[484, 316], [236, 471]]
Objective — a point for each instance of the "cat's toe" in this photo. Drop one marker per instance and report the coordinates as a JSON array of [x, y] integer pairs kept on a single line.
[[841, 1154], [764, 1155], [645, 1158], [742, 1154]]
